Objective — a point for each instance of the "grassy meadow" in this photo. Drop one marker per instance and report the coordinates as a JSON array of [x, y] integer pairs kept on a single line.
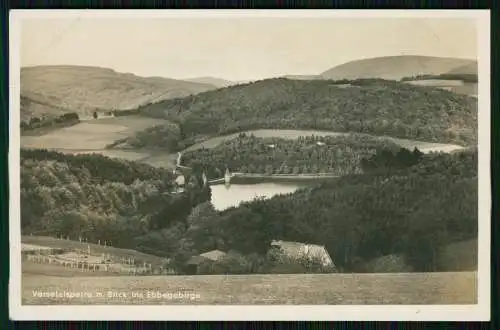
[[94, 135], [334, 289], [386, 288], [454, 86], [91, 135]]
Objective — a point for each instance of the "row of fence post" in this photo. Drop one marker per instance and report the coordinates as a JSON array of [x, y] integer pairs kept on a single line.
[[40, 258], [145, 268]]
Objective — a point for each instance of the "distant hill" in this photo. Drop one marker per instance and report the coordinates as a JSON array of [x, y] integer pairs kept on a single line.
[[51, 90], [470, 68], [395, 67], [375, 107], [218, 82]]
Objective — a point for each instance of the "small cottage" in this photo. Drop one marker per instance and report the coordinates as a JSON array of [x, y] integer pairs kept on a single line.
[[299, 250], [193, 263]]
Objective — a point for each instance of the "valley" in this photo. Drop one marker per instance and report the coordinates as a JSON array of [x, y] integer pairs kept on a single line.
[[378, 172]]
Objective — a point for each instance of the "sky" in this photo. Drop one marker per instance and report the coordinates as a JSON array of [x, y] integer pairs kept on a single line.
[[237, 48]]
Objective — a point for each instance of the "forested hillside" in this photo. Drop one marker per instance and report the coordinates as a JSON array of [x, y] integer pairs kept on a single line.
[[405, 203], [336, 155], [410, 209], [374, 106], [100, 198]]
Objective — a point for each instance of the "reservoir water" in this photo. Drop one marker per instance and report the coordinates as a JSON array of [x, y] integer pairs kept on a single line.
[[224, 197]]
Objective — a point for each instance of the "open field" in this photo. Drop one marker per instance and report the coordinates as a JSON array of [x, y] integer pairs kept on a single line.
[[94, 135], [338, 289], [91, 135], [455, 86]]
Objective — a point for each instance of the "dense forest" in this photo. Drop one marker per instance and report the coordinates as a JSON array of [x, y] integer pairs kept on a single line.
[[371, 106], [405, 203], [412, 208], [335, 155], [66, 119], [166, 137], [99, 198]]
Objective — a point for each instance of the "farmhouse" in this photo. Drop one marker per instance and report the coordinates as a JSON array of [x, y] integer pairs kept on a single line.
[[194, 262], [300, 250]]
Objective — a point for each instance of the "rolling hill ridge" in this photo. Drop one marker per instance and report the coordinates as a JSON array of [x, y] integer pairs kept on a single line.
[[218, 82], [51, 90], [396, 67]]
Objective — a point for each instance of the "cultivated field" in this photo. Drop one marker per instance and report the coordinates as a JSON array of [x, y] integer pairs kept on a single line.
[[338, 289], [455, 86], [91, 135], [94, 135]]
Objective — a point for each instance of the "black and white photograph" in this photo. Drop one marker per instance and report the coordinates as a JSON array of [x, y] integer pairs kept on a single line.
[[250, 164]]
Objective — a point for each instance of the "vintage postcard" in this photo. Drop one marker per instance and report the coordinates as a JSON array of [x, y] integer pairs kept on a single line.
[[250, 165]]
